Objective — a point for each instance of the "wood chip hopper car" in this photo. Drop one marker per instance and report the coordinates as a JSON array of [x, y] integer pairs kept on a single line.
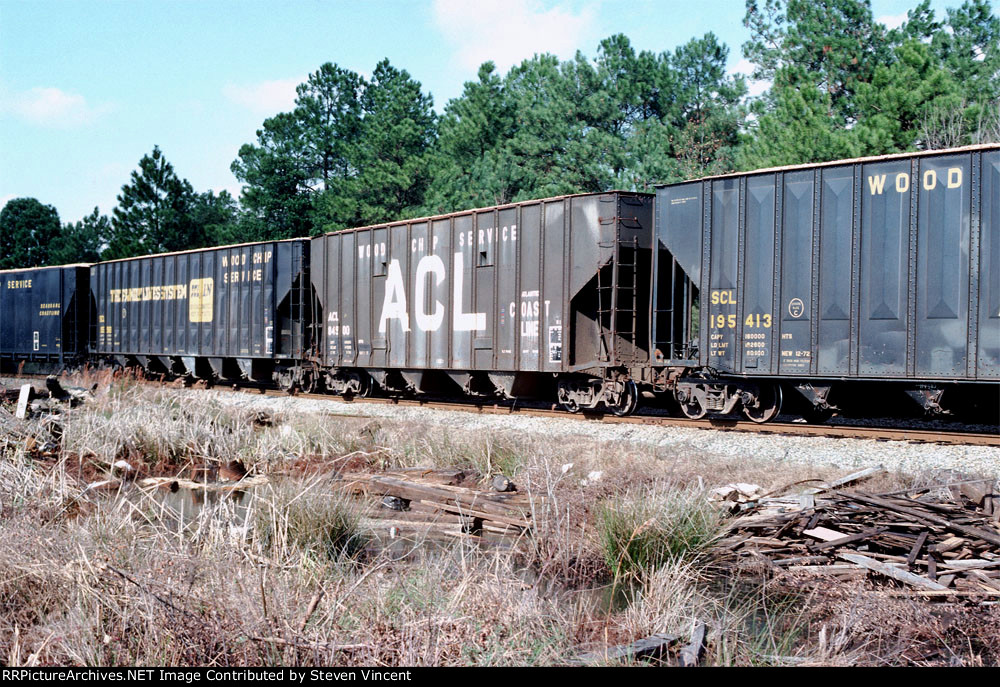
[[822, 276], [547, 297], [235, 312], [44, 313]]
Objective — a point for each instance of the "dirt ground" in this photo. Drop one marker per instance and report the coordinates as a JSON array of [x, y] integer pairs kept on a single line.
[[97, 569]]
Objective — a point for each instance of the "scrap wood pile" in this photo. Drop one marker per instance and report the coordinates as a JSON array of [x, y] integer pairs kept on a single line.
[[40, 439], [442, 497], [942, 540]]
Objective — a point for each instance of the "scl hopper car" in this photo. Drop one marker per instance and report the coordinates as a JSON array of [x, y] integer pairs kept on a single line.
[[842, 277]]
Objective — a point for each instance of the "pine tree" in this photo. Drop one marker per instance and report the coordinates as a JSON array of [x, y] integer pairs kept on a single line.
[[397, 129], [798, 129], [154, 212], [28, 230], [899, 99], [81, 241], [470, 166], [970, 50], [709, 114]]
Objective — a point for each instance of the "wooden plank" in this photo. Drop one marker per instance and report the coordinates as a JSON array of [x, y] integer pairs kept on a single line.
[[653, 647], [824, 533], [915, 551], [801, 560], [929, 517], [246, 482], [945, 593], [469, 498], [969, 564], [889, 571], [887, 557], [848, 540], [465, 510], [985, 582], [691, 654], [949, 544], [832, 569], [847, 479], [767, 541], [25, 397]]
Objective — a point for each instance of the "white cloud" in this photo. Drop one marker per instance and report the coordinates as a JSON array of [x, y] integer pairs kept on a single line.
[[744, 68], [53, 107], [266, 97], [509, 31], [892, 21], [757, 88]]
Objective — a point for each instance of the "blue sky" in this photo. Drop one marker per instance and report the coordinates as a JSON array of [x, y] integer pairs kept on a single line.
[[88, 87]]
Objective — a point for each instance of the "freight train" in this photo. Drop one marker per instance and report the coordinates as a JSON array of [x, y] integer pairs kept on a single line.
[[863, 278]]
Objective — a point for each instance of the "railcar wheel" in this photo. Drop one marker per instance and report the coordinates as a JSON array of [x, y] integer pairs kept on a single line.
[[691, 400], [693, 409], [284, 380], [817, 416], [765, 405], [629, 400], [366, 384], [309, 382], [570, 406]]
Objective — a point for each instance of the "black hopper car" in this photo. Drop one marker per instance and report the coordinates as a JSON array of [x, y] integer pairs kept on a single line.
[[44, 312], [230, 313], [824, 283], [847, 279], [542, 298]]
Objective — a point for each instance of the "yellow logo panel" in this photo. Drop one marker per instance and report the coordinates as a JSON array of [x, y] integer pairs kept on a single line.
[[200, 298]]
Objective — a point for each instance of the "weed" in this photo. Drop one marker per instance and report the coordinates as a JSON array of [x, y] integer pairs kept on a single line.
[[643, 530], [311, 518]]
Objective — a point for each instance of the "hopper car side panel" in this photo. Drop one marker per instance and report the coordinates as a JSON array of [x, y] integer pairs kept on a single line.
[[44, 315], [986, 293]]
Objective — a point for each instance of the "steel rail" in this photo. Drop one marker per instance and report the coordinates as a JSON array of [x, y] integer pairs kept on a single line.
[[877, 433]]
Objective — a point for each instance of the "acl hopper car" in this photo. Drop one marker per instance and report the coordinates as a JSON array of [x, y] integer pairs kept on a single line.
[[511, 300], [235, 312], [881, 269], [43, 317]]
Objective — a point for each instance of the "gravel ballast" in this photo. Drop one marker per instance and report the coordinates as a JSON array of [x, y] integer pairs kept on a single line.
[[844, 453]]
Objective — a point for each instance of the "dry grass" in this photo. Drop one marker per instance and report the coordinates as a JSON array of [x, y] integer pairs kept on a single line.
[[287, 573]]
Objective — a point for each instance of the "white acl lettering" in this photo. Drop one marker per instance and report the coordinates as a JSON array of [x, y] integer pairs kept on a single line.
[[465, 321], [429, 322], [394, 304]]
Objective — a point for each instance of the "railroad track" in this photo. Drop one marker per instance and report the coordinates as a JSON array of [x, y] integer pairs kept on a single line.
[[877, 433], [933, 436]]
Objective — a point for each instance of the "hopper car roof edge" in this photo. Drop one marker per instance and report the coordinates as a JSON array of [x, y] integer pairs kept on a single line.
[[836, 163], [49, 267], [505, 206], [206, 248]]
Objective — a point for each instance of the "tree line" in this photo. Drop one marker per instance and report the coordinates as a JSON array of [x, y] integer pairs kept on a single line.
[[356, 151]]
